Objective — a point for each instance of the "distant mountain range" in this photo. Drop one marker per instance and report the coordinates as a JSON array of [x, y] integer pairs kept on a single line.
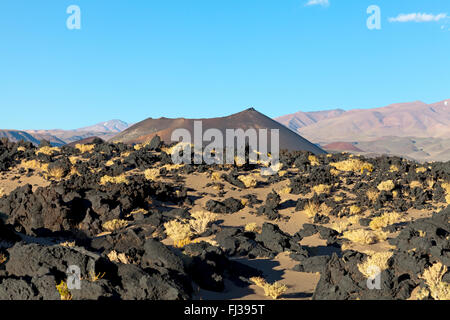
[[416, 130], [414, 119], [105, 130]]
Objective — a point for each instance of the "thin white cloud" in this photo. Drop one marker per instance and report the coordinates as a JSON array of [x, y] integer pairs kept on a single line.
[[418, 17], [323, 3]]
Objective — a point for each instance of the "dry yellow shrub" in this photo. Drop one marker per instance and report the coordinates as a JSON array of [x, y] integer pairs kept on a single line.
[[354, 220], [387, 185], [118, 257], [74, 171], [2, 192], [311, 209], [115, 224], [438, 289], [63, 291], [352, 165], [313, 160], [415, 184], [285, 190], [35, 165], [151, 174], [56, 173], [21, 149], [253, 227], [361, 236], [249, 181], [446, 187], [68, 244], [282, 173], [216, 176], [274, 290], [83, 148], [119, 179], [178, 231], [376, 262], [47, 150], [322, 188], [372, 194], [354, 209], [340, 226], [385, 220], [394, 168], [334, 172], [421, 170], [201, 221]]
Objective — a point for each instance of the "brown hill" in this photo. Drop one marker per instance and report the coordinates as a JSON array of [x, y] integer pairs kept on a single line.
[[414, 119], [16, 136], [341, 146], [248, 119]]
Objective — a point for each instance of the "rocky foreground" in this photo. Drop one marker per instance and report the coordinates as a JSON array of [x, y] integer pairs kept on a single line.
[[139, 227]]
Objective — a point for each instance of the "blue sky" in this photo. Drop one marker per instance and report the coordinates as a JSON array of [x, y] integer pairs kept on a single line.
[[205, 58]]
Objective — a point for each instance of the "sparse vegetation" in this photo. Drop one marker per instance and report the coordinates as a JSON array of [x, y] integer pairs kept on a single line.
[[114, 256], [376, 262], [115, 224], [394, 168], [35, 165], [353, 165], [446, 187], [274, 290], [63, 291], [341, 225], [83, 148], [49, 151], [313, 160], [385, 220], [322, 188], [93, 277], [361, 236], [421, 170], [249, 181], [119, 179], [252, 227], [372, 195], [55, 173], [354, 209], [415, 184], [387, 185], [438, 289], [178, 231], [151, 174], [311, 209], [201, 221]]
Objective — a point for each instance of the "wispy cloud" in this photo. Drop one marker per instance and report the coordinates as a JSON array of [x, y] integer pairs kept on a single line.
[[418, 17], [323, 3]]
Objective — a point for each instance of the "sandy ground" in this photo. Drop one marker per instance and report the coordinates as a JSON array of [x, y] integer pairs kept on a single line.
[[300, 285], [12, 179]]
